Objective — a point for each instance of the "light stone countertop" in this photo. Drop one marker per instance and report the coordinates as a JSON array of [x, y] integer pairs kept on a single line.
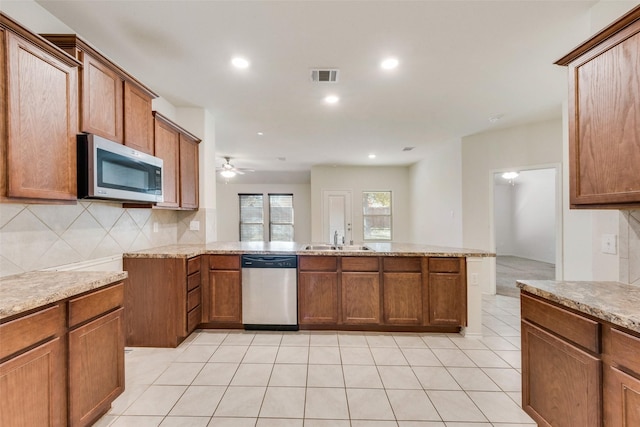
[[614, 302], [23, 292], [289, 248]]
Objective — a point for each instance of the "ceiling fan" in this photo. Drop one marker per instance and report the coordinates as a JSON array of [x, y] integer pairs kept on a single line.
[[228, 170]]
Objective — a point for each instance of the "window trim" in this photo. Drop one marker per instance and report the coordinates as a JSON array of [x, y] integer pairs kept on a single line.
[[390, 216]]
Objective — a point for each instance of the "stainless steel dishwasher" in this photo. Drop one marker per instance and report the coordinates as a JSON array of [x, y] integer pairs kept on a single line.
[[270, 292]]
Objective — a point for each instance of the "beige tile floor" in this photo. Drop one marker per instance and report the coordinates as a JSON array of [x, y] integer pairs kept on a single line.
[[330, 379]]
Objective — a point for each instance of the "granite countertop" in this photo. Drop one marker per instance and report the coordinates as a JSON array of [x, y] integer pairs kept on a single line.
[[23, 292], [292, 248], [614, 302]]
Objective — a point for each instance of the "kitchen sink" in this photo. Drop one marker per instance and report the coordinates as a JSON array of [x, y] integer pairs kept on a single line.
[[353, 248], [321, 247]]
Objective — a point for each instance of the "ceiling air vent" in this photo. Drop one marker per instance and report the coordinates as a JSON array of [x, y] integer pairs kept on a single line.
[[324, 75]]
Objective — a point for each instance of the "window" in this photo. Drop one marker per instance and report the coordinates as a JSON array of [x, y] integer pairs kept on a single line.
[[251, 217], [376, 215], [281, 217]]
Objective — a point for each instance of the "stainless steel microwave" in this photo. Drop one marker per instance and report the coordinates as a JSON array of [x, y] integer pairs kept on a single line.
[[111, 171]]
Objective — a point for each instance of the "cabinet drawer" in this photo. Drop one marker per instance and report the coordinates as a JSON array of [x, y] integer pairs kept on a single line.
[[402, 264], [625, 350], [193, 281], [193, 265], [224, 262], [318, 263], [580, 330], [444, 265], [350, 263], [193, 318], [25, 331], [94, 304], [193, 299]]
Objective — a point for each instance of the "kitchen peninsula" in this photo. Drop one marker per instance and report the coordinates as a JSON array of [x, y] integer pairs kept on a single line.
[[172, 290]]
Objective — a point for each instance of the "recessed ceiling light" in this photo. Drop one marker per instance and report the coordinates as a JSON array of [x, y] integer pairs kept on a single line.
[[260, 133], [239, 62], [372, 156], [389, 64], [331, 99], [495, 117]]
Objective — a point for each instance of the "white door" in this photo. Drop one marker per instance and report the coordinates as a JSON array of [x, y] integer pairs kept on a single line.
[[337, 216]]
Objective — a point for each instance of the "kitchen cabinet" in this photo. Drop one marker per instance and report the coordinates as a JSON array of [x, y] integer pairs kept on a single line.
[[33, 369], [360, 290], [39, 117], [224, 291], [113, 104], [179, 151], [621, 377], [402, 290], [604, 117], [561, 365], [318, 290], [96, 354], [447, 291], [162, 300]]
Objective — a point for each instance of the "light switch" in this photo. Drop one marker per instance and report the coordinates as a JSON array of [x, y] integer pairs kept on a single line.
[[194, 225], [609, 245]]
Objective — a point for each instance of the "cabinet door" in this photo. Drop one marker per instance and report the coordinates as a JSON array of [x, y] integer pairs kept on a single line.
[[561, 384], [96, 367], [189, 181], [604, 117], [33, 387], [360, 298], [317, 298], [621, 398], [102, 99], [138, 121], [42, 116], [402, 298], [167, 147], [447, 299], [225, 298]]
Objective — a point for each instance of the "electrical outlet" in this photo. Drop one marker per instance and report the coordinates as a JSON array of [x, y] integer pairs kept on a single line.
[[474, 279], [609, 245], [194, 226]]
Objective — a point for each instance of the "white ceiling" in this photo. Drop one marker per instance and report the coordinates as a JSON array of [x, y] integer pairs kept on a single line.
[[461, 62]]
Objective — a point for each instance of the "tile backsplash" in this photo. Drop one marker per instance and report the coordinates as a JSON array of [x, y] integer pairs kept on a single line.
[[629, 245], [34, 237]]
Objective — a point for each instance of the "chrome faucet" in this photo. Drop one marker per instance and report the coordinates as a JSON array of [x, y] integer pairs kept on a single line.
[[335, 238]]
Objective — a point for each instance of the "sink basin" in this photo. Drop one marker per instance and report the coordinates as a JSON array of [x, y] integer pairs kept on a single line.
[[353, 248], [320, 248]]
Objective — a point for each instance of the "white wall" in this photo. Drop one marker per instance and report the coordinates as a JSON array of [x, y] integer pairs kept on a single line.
[[435, 199], [525, 216], [228, 214], [358, 179]]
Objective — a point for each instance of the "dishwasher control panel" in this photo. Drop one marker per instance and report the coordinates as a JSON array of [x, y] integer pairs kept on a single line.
[[265, 261]]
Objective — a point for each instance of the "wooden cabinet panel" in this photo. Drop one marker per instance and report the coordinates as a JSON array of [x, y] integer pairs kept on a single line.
[[360, 298], [402, 298], [225, 297], [42, 123], [604, 116], [224, 262], [447, 299], [445, 265], [360, 263], [318, 263], [102, 97], [138, 121], [189, 175], [621, 398], [402, 264], [625, 349], [167, 147], [33, 387], [561, 384], [317, 297], [95, 303], [96, 368], [31, 329]]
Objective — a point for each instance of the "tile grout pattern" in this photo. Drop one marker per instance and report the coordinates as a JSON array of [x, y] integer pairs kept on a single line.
[[322, 379]]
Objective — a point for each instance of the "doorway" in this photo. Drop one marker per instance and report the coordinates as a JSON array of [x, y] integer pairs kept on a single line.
[[526, 217], [337, 215]]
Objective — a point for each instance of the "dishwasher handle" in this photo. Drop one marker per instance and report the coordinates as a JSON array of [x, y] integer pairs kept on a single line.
[[269, 261]]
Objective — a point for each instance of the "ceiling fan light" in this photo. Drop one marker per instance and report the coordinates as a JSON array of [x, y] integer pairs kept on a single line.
[[227, 173]]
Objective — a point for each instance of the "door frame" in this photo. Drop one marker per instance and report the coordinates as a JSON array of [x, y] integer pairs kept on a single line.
[[324, 223]]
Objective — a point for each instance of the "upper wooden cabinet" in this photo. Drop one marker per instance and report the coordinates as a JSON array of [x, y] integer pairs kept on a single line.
[[113, 103], [604, 117], [179, 151], [39, 117]]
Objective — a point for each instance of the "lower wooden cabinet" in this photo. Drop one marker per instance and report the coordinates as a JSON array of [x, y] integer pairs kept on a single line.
[[317, 297], [224, 291], [561, 383], [402, 299], [447, 291], [621, 398], [33, 387], [360, 298]]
